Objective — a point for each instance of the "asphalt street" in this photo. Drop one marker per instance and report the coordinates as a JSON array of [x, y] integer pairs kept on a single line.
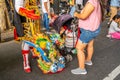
[[106, 61]]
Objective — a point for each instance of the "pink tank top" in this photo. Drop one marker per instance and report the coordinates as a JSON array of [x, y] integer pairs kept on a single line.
[[93, 21]]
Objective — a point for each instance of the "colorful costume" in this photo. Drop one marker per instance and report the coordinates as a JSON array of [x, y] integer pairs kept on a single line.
[[48, 58], [21, 11]]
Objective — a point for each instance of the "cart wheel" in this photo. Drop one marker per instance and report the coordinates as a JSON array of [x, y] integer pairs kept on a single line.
[[68, 58]]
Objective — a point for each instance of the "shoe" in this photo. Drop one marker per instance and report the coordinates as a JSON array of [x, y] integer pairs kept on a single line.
[[89, 63], [28, 70], [43, 29], [26, 64], [53, 31], [79, 71], [108, 22], [108, 36], [48, 32]]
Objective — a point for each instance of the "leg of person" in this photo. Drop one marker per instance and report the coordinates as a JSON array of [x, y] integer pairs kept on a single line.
[[115, 35], [25, 54], [90, 47], [81, 58], [86, 40], [46, 21], [81, 55], [90, 50], [113, 11], [72, 11]]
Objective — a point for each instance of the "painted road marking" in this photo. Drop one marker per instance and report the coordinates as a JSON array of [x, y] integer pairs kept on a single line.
[[113, 74]]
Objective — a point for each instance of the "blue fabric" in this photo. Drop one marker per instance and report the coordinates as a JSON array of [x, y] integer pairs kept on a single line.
[[72, 10], [87, 35], [46, 21], [115, 3]]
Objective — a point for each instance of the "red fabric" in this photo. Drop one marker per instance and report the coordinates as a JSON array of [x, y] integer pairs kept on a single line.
[[31, 47], [15, 34], [65, 27], [25, 51], [28, 70], [29, 13]]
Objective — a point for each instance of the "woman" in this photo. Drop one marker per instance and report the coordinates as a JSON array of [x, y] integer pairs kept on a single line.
[[89, 23]]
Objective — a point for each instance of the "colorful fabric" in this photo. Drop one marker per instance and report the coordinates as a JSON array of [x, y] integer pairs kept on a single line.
[[115, 35]]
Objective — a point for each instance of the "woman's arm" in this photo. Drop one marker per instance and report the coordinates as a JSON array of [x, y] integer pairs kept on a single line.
[[87, 10], [46, 6], [117, 28]]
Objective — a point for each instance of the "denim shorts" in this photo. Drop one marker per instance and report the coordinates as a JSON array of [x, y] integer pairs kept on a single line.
[[86, 36]]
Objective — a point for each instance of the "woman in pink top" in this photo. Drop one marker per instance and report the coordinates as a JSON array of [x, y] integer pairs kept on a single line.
[[89, 24]]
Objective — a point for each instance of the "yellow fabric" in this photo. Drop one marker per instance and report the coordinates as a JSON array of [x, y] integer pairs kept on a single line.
[[71, 2]]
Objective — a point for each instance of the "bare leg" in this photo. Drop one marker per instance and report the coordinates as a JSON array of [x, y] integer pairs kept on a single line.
[[80, 54], [90, 50], [81, 59]]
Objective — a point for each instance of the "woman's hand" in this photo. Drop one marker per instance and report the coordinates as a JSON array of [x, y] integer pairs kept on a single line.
[[75, 14], [86, 11]]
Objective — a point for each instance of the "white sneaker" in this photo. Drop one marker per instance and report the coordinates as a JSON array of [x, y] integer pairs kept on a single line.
[[108, 36], [79, 71], [43, 28], [47, 32], [89, 63]]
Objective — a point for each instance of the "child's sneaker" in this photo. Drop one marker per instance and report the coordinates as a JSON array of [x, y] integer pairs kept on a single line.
[[79, 71], [108, 36], [89, 63]]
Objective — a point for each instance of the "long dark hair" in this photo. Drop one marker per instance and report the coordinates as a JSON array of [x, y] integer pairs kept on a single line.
[[102, 9], [116, 17]]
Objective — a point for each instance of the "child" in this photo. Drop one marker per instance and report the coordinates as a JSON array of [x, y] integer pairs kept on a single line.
[[114, 29]]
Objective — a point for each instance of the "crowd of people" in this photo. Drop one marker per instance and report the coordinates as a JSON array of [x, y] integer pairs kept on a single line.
[[90, 19]]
